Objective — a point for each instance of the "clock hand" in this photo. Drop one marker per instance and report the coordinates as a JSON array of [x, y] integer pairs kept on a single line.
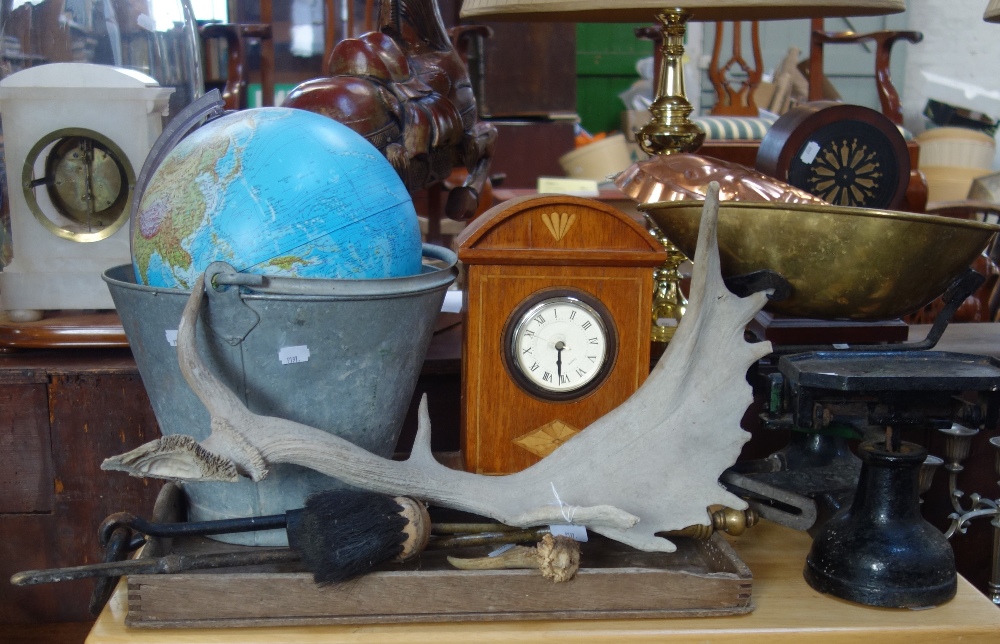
[[559, 347]]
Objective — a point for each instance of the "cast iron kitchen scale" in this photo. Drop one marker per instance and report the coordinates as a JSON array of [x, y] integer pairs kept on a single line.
[[831, 263], [871, 545]]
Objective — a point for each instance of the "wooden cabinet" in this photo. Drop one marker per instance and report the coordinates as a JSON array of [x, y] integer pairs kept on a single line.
[[61, 414], [528, 149], [529, 70]]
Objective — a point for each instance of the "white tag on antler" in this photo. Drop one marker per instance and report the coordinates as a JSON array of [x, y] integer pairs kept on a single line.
[[501, 549]]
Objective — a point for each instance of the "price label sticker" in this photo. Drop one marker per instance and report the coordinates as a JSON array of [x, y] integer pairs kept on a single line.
[[564, 186], [146, 22], [452, 302], [293, 355], [171, 337], [574, 532], [809, 152]]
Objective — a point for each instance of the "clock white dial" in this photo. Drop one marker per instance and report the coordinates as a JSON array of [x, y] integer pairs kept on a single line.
[[560, 345]]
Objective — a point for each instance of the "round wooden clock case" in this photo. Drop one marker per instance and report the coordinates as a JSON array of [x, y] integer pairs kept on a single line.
[[847, 155]]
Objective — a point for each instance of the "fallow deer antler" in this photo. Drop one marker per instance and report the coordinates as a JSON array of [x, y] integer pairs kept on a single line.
[[650, 465]]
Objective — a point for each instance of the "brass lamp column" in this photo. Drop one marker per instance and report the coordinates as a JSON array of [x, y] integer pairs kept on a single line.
[[669, 303], [670, 129]]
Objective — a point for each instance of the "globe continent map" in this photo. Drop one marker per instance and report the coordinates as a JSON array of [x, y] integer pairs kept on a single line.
[[275, 191]]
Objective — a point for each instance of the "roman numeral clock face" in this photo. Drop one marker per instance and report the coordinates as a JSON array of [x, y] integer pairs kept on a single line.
[[560, 346]]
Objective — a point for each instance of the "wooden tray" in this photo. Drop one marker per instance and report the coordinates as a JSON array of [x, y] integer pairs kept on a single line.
[[703, 578]]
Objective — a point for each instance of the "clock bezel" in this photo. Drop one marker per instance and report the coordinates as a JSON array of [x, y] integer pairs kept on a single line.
[[118, 211], [521, 312]]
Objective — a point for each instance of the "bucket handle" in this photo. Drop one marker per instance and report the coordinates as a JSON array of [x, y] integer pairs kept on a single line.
[[232, 319], [222, 274]]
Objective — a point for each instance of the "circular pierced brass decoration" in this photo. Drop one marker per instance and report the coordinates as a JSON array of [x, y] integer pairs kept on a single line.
[[78, 184], [846, 155], [849, 164]]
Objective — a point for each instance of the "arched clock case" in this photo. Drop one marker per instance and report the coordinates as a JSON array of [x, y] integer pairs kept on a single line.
[[557, 312]]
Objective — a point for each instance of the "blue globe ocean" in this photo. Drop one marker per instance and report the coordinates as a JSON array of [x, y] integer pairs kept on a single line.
[[274, 191]]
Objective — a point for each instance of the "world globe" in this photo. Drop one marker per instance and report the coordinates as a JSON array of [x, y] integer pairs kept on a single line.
[[274, 191]]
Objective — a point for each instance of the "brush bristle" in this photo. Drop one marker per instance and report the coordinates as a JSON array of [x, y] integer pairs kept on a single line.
[[346, 533]]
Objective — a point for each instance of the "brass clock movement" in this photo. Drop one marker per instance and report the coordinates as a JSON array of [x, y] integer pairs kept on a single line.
[[556, 313], [86, 179]]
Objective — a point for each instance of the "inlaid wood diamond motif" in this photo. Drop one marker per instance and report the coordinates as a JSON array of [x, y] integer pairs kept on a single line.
[[544, 440]]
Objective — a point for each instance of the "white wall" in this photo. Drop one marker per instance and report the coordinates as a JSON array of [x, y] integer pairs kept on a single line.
[[957, 43]]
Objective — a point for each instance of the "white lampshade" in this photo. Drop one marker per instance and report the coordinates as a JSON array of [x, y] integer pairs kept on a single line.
[[645, 10], [992, 11]]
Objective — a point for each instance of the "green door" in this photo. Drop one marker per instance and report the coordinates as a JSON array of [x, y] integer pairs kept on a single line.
[[605, 66]]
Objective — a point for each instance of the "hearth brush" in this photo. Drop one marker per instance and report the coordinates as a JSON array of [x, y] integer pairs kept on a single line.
[[338, 535]]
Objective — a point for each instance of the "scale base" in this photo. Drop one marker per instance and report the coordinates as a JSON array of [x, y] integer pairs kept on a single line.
[[879, 596]]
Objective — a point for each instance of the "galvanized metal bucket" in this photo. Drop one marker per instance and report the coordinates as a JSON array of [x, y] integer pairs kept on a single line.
[[339, 355]]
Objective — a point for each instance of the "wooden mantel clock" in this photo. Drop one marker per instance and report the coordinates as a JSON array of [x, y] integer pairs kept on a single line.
[[556, 324]]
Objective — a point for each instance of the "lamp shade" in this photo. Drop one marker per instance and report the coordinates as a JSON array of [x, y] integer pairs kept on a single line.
[[992, 11], [645, 10]]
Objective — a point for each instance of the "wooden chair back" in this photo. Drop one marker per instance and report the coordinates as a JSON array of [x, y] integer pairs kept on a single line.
[[735, 93], [883, 42]]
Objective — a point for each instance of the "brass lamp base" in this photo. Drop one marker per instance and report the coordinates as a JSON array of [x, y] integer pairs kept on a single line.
[[669, 303], [656, 137]]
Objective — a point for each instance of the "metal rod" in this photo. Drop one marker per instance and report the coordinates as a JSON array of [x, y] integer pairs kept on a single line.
[[169, 564], [471, 528], [961, 288]]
